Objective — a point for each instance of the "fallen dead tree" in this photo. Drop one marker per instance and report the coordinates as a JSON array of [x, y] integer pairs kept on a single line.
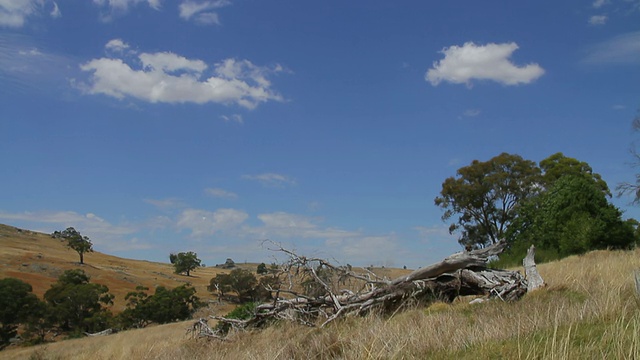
[[460, 274]]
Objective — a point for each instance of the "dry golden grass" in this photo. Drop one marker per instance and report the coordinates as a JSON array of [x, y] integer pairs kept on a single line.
[[589, 310]]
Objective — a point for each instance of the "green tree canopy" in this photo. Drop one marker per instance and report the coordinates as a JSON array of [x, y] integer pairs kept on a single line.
[[185, 262], [166, 305], [77, 304], [484, 197], [240, 281], [81, 244], [557, 165], [574, 216], [16, 303]]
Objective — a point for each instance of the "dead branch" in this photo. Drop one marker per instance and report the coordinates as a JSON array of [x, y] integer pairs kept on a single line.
[[460, 274]]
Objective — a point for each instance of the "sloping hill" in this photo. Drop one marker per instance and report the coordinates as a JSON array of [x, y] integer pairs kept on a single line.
[[39, 259]]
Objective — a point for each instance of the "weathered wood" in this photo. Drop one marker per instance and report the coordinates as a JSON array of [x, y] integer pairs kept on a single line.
[[534, 280], [460, 274]]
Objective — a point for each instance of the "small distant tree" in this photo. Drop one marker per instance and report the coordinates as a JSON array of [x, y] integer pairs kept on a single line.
[[185, 262], [262, 269], [240, 281], [81, 244]]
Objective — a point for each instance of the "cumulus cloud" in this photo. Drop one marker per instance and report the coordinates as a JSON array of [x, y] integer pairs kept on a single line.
[[598, 20], [166, 77], [221, 193], [14, 13], [271, 179], [622, 49], [462, 64], [200, 11], [203, 223]]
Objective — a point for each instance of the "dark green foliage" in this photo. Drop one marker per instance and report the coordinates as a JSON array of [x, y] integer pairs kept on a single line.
[[185, 262], [485, 195], [166, 305], [77, 305], [558, 165], [240, 281], [241, 312], [262, 269], [81, 244], [16, 303], [573, 216]]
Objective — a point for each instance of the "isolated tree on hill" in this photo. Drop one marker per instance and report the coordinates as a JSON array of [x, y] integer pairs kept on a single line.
[[485, 195], [185, 262], [81, 244], [262, 269], [16, 303]]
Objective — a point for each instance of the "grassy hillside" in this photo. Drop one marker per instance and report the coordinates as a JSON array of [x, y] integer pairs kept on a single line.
[[39, 259], [589, 310]]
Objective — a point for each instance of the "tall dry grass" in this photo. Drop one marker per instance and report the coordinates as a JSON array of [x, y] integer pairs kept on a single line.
[[589, 310]]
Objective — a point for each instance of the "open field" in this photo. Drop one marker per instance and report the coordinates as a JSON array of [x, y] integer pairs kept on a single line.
[[589, 310]]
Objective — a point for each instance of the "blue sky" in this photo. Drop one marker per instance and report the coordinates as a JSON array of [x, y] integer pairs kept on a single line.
[[156, 126]]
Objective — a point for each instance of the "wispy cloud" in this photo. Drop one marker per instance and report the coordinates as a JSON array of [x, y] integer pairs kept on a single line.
[[204, 223], [271, 179], [102, 233], [166, 204], [165, 77], [234, 118], [201, 11], [471, 112], [220, 193], [622, 49], [463, 64], [14, 13], [598, 20]]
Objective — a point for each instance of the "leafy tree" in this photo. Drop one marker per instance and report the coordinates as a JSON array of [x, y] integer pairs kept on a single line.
[[574, 216], [557, 165], [16, 303], [485, 196], [240, 281], [81, 244], [77, 304], [262, 269], [166, 305], [185, 262]]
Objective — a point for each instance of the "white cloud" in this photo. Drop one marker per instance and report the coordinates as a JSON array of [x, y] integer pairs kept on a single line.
[[600, 3], [170, 62], [123, 5], [618, 107], [471, 112], [55, 12], [221, 193], [598, 20], [462, 64], [170, 78], [116, 45], [199, 11], [101, 232], [271, 179], [14, 13], [204, 223], [292, 226], [622, 49], [235, 118]]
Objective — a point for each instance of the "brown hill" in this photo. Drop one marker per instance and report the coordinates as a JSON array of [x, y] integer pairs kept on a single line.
[[39, 259]]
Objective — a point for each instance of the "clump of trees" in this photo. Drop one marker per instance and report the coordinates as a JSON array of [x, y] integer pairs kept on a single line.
[[245, 285], [185, 262], [75, 306], [75, 241], [559, 205]]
